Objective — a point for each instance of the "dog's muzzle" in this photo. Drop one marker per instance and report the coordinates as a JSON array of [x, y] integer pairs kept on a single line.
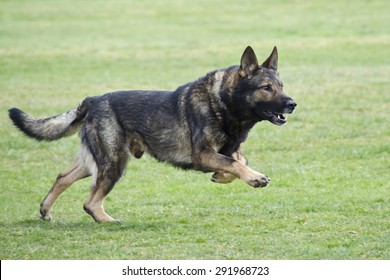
[[290, 105], [278, 118]]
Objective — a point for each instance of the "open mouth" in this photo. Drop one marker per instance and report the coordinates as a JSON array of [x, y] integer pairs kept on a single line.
[[275, 118]]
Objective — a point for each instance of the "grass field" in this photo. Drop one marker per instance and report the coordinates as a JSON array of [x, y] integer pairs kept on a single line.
[[330, 165]]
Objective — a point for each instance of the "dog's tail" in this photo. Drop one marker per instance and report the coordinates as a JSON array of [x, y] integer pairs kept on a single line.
[[52, 128]]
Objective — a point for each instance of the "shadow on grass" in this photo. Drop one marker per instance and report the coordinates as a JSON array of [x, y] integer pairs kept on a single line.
[[133, 226]]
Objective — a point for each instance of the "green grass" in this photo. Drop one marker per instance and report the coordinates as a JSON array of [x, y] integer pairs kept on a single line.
[[330, 191]]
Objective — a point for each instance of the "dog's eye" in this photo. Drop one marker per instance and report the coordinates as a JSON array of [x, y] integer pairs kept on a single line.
[[266, 88]]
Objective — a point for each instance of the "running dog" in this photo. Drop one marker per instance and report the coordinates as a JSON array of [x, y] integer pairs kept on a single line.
[[199, 126]]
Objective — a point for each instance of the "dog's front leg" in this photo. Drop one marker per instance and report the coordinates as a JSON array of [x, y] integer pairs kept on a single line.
[[221, 177], [208, 159], [225, 177]]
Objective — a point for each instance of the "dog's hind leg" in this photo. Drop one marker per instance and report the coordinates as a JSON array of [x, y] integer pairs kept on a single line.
[[107, 144], [110, 169], [105, 181], [94, 205], [77, 171]]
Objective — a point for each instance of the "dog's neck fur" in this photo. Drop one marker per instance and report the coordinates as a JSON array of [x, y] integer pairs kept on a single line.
[[221, 92]]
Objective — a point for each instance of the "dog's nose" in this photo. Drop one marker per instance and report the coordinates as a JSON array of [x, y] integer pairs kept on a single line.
[[291, 104]]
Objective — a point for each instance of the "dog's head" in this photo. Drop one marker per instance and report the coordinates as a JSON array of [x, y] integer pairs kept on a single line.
[[262, 90]]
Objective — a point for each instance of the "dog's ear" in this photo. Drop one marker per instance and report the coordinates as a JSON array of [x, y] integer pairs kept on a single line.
[[272, 60], [249, 63]]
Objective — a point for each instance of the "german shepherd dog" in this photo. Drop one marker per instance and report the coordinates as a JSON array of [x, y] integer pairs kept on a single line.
[[199, 126]]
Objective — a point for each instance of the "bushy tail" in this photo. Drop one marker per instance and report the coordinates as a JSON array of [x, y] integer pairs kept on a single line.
[[52, 128]]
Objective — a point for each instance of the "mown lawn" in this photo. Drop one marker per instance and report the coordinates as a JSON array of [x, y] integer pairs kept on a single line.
[[330, 191]]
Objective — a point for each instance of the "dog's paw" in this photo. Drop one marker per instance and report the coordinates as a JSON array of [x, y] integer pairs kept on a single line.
[[222, 177], [261, 182], [258, 180], [45, 215]]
